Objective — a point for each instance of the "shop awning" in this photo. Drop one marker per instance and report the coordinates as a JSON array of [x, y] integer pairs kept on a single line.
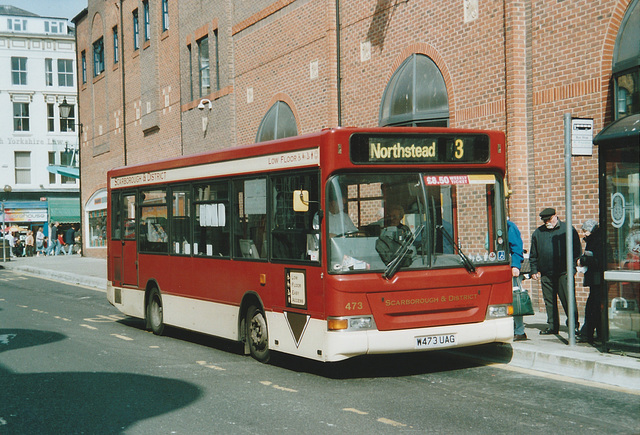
[[621, 133], [67, 171], [64, 209]]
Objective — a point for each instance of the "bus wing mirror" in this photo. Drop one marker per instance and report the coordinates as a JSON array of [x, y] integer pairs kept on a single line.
[[301, 200]]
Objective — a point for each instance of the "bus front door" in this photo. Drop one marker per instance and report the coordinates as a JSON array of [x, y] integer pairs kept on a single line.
[[129, 248]]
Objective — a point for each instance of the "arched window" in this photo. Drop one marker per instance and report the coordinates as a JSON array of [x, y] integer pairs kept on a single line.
[[416, 95], [279, 122], [626, 64]]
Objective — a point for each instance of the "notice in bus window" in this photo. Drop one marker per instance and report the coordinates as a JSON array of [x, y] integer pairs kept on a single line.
[[255, 196], [296, 288]]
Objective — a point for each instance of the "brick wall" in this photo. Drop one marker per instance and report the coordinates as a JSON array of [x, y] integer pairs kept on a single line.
[[517, 67]]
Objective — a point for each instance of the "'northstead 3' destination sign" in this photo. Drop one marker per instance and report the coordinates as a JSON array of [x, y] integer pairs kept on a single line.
[[414, 148]]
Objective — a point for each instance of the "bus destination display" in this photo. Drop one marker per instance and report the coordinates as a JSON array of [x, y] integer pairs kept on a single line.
[[432, 148]]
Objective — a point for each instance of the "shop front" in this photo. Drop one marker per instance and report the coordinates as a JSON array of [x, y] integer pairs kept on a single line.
[[619, 168]]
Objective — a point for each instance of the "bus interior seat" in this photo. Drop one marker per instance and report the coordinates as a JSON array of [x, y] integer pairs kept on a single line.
[[248, 249]]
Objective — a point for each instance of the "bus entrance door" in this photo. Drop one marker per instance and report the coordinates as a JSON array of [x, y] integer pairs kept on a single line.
[[129, 248]]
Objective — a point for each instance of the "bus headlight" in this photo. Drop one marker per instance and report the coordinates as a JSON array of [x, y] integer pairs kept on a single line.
[[355, 323], [496, 311]]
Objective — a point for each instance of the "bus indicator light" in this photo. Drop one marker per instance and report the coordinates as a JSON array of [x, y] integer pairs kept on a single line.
[[337, 324]]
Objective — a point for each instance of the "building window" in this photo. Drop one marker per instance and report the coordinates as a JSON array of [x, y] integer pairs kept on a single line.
[[626, 64], [203, 63], [66, 159], [83, 55], [54, 27], [20, 116], [190, 73], [19, 70], [115, 44], [147, 25], [68, 123], [165, 15], [217, 65], [416, 95], [98, 57], [17, 24], [97, 228], [65, 72], [50, 117], [23, 167], [278, 122], [136, 30], [52, 162], [48, 72]]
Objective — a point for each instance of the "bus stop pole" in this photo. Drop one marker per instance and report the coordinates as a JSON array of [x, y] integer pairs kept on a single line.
[[569, 235]]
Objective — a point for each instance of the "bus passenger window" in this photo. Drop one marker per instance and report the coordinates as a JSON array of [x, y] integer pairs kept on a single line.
[[293, 234], [251, 218], [180, 222], [153, 222], [211, 224]]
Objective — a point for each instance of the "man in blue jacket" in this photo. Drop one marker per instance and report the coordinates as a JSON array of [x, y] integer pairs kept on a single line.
[[548, 264]]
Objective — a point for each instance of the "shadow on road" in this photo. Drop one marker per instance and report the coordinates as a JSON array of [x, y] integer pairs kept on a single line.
[[80, 402]]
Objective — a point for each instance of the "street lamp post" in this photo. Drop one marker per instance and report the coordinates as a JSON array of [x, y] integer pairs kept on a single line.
[[65, 111], [4, 253]]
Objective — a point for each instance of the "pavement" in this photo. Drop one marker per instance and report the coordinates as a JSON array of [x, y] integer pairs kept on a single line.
[[542, 353]]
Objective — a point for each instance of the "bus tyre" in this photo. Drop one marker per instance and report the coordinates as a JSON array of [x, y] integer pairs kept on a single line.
[[257, 334], [154, 312]]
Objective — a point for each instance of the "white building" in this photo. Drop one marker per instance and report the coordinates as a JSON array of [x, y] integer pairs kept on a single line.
[[38, 165]]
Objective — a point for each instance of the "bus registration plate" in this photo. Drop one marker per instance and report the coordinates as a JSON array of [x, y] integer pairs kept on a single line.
[[432, 341]]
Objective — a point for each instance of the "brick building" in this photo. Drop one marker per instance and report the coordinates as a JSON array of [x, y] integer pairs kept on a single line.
[[216, 73]]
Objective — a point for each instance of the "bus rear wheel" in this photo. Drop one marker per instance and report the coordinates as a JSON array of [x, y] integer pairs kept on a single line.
[[257, 334], [154, 312]]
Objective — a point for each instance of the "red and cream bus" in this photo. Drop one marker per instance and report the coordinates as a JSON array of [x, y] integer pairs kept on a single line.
[[345, 242]]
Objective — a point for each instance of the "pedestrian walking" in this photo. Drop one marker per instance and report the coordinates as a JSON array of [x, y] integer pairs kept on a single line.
[[53, 248], [39, 242], [60, 244], [70, 239], [547, 258], [30, 244], [517, 256]]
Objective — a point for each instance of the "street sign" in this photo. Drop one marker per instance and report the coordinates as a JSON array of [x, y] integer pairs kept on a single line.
[[581, 137]]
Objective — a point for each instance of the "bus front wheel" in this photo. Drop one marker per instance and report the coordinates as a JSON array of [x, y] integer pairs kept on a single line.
[[154, 312], [257, 334]]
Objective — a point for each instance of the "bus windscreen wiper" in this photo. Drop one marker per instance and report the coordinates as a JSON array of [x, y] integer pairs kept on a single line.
[[402, 251], [465, 260]]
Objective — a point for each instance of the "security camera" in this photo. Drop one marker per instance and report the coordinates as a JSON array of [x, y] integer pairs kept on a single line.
[[204, 101]]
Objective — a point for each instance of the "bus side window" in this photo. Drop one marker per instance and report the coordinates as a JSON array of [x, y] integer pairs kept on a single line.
[[292, 232], [250, 214], [211, 219], [180, 221], [153, 222]]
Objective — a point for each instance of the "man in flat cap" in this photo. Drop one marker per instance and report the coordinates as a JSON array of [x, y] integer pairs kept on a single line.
[[547, 258]]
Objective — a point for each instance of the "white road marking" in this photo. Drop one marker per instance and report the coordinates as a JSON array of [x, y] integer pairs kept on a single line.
[[278, 387], [356, 411], [122, 337], [391, 422]]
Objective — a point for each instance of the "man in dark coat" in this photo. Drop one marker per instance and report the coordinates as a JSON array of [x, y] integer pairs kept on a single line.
[[70, 239], [548, 262]]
